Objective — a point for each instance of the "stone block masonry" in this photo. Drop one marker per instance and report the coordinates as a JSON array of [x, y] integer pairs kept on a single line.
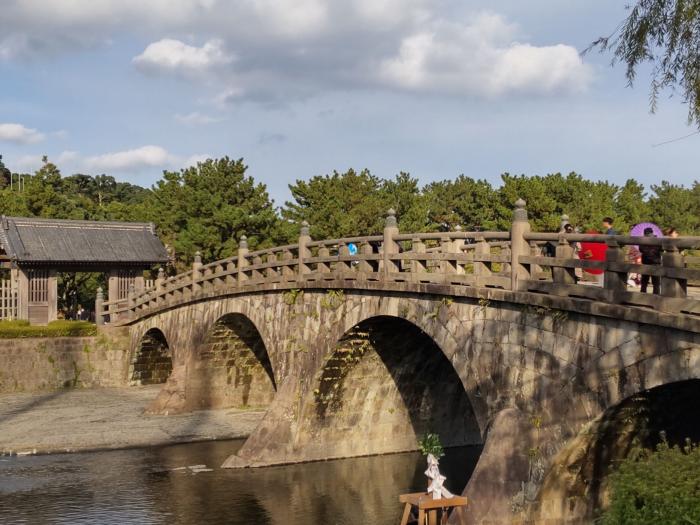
[[45, 364]]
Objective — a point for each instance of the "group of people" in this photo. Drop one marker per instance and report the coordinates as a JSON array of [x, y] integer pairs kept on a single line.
[[642, 254]]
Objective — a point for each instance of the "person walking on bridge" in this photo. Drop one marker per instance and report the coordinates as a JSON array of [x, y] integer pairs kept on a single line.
[[650, 255], [608, 226]]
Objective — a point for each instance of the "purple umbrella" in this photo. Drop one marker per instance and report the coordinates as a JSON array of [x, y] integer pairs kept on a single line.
[[638, 230]]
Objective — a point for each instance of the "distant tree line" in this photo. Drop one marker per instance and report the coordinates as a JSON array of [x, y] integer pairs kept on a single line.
[[209, 206]]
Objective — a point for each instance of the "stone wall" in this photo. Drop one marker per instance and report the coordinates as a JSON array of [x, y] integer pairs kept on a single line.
[[41, 364]]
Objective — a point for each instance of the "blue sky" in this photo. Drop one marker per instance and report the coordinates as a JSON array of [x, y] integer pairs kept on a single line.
[[302, 87]]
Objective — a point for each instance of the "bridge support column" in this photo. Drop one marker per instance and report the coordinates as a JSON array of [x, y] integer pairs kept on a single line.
[[496, 484], [519, 273]]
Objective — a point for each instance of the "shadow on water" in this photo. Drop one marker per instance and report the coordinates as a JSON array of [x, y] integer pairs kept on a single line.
[[151, 486]]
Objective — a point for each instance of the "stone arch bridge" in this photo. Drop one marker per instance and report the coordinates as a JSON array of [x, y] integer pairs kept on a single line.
[[472, 335]]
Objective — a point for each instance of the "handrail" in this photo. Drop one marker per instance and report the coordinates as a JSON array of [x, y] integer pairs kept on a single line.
[[508, 260], [622, 240]]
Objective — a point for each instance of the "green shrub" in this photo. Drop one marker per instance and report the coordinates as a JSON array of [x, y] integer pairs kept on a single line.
[[657, 487], [61, 328], [430, 444]]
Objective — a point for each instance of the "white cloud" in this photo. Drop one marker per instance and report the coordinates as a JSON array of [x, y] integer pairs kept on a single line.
[[170, 55], [480, 58], [192, 160], [140, 158], [11, 132], [291, 49], [129, 160], [196, 118]]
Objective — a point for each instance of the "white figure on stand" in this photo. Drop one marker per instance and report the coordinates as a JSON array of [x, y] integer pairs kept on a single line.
[[436, 480]]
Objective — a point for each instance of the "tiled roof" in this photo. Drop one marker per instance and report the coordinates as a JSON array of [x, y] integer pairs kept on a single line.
[[33, 241]]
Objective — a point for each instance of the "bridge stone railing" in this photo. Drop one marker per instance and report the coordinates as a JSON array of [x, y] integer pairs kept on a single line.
[[506, 260]]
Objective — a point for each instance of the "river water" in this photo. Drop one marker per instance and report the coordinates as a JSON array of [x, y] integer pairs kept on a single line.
[[173, 485]]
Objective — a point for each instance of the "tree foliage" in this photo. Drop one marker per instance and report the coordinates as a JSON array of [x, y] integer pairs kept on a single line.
[[208, 207], [353, 203], [665, 33], [658, 487]]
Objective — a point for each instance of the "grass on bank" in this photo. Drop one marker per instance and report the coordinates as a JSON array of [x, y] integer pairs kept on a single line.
[[60, 328]]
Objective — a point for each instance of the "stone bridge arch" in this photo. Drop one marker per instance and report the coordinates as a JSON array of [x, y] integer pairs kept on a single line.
[[151, 361], [535, 375], [224, 355]]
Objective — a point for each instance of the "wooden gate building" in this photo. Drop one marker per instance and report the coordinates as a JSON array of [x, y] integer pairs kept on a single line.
[[36, 250]]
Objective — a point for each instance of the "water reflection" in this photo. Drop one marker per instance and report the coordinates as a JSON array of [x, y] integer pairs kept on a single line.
[[141, 486]]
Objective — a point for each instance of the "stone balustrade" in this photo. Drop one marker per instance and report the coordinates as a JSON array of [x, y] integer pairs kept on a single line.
[[503, 260]]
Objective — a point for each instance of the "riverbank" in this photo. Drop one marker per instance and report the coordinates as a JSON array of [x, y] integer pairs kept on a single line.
[[72, 420]]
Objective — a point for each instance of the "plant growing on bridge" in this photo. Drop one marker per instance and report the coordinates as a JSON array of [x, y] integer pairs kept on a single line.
[[445, 302], [290, 296], [333, 299]]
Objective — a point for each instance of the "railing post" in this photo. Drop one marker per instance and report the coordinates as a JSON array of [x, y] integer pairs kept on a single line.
[[672, 258], [389, 246], [99, 307], [304, 252], [160, 278], [242, 261], [365, 267], [519, 273], [457, 245], [343, 267], [614, 280], [560, 274], [271, 272], [323, 251], [196, 272], [482, 270], [131, 302], [418, 266]]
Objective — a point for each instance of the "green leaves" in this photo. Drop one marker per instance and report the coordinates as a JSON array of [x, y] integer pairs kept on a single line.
[[430, 444], [665, 33], [658, 487], [209, 207]]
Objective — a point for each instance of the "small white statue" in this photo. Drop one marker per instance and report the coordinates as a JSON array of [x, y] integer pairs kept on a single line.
[[436, 480]]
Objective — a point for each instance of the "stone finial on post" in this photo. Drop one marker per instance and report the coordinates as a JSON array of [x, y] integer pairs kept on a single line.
[[161, 278], [519, 246], [389, 246], [304, 251], [99, 307], [242, 261]]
